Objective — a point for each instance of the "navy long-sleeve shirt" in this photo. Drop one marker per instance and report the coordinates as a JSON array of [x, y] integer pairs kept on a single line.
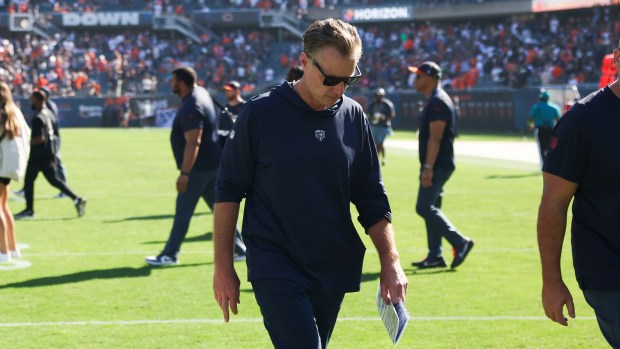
[[300, 170]]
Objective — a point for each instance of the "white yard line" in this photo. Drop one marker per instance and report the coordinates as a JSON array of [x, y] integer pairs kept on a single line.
[[520, 151], [259, 320]]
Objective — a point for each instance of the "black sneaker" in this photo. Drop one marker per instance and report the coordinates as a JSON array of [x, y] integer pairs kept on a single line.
[[161, 260], [25, 214], [80, 206], [436, 262], [461, 253]]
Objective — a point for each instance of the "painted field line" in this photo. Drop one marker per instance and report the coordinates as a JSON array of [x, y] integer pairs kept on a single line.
[[260, 320], [210, 252]]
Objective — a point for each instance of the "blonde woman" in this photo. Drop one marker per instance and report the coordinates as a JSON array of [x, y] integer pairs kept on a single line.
[[12, 124]]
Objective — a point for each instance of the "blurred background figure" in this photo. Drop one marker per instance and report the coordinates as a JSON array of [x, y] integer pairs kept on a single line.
[[294, 73], [14, 151], [196, 151], [381, 112], [60, 168], [228, 116], [43, 158], [544, 115]]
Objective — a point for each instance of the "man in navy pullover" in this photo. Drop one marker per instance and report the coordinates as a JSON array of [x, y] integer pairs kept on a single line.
[[299, 155]]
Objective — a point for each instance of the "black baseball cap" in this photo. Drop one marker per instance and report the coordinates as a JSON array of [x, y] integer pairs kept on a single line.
[[232, 85], [429, 68]]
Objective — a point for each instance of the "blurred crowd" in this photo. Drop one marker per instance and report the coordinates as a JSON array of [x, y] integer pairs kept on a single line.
[[182, 6], [129, 63], [538, 49], [546, 48]]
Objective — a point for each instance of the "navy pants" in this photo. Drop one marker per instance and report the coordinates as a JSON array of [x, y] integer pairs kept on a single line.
[[200, 184], [294, 316], [437, 224], [543, 138], [47, 165], [606, 305]]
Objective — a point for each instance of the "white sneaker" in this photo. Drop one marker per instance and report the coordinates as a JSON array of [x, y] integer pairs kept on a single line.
[[15, 254], [161, 260], [5, 257]]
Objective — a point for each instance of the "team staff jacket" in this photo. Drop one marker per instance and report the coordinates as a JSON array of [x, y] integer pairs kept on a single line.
[[41, 125], [196, 112], [438, 108], [299, 170], [585, 150]]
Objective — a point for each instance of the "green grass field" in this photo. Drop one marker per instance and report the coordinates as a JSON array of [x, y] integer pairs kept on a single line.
[[88, 287]]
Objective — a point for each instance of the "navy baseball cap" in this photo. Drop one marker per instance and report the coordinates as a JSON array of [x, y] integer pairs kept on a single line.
[[429, 68], [232, 85]]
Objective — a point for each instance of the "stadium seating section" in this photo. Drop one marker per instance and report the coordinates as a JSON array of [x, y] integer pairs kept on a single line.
[[493, 52]]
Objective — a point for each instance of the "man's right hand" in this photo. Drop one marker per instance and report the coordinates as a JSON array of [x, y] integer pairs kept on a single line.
[[226, 290], [555, 295]]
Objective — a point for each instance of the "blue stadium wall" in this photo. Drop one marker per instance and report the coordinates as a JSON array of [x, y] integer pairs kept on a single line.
[[500, 110]]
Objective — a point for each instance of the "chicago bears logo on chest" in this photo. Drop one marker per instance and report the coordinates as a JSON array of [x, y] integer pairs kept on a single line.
[[319, 134]]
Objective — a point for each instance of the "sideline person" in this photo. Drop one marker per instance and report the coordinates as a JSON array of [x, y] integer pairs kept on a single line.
[[381, 112], [61, 170], [43, 158], [582, 165], [436, 152], [13, 132], [196, 151], [294, 73], [544, 115], [300, 155], [228, 116]]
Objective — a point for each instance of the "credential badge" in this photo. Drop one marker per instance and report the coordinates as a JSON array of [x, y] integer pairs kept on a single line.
[[319, 134]]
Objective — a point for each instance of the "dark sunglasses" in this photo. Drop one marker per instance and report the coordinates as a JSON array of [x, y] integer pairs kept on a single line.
[[334, 80]]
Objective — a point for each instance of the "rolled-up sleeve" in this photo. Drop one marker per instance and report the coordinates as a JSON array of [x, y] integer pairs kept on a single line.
[[367, 189]]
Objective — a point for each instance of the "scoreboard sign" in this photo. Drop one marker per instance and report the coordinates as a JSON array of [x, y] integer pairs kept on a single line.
[[377, 14]]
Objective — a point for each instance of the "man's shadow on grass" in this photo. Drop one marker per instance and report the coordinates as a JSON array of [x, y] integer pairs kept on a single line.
[[431, 271], [515, 176], [115, 273], [200, 238], [152, 217]]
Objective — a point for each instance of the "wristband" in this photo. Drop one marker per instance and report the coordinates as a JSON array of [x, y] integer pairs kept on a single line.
[[428, 166], [184, 173]]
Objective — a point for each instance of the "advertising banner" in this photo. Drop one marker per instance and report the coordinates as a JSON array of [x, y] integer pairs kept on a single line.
[[219, 18], [103, 19], [377, 14]]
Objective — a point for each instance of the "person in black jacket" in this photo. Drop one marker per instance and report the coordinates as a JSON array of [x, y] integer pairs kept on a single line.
[[300, 155], [60, 167], [43, 158]]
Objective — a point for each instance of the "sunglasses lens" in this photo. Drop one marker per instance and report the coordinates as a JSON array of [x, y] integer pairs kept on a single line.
[[329, 81], [352, 80]]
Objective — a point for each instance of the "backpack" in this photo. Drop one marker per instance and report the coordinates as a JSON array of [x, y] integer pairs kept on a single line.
[[14, 152]]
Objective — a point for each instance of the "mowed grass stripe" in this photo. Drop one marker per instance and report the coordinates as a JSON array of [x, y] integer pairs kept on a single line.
[[260, 320]]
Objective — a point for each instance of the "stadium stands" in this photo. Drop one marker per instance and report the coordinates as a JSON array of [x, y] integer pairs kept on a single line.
[[501, 51]]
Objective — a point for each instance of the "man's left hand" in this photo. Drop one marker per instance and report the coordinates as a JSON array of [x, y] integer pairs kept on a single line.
[[393, 282], [182, 183], [427, 178]]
